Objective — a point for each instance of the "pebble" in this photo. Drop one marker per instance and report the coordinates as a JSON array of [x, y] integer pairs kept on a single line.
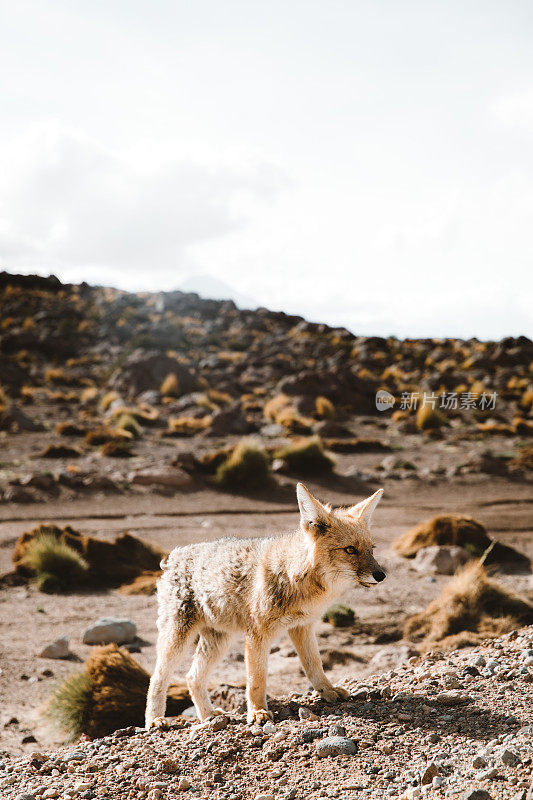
[[57, 649], [510, 758], [269, 728], [218, 723], [184, 783]]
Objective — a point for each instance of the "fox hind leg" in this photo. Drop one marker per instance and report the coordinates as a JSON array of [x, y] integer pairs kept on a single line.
[[211, 647], [171, 645]]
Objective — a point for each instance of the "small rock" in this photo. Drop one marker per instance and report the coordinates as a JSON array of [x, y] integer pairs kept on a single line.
[[218, 723], [452, 698], [169, 765], [476, 794], [336, 730], [184, 783], [109, 630], [479, 762], [430, 772], [437, 781], [335, 746], [269, 728], [57, 649], [510, 758]]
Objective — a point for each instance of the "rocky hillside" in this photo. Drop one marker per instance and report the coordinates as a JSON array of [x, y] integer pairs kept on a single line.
[[458, 725], [92, 377]]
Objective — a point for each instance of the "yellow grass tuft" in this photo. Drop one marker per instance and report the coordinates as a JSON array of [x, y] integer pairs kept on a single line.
[[170, 387], [247, 468], [55, 565], [324, 408], [187, 426], [108, 694], [471, 607], [429, 419], [306, 457]]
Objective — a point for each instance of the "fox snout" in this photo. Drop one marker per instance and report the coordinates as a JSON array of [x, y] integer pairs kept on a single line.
[[379, 575]]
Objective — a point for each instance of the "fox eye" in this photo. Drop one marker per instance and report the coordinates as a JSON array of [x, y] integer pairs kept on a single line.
[[352, 551]]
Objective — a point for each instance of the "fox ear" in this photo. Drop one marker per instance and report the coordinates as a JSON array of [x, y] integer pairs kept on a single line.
[[365, 508], [310, 508]]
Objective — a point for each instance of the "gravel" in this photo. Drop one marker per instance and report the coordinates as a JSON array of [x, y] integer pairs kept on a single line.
[[407, 743]]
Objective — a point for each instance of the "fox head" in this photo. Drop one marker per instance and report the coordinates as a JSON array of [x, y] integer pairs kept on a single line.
[[341, 538]]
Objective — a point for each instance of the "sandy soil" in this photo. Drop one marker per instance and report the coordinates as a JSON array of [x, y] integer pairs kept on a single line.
[[30, 619]]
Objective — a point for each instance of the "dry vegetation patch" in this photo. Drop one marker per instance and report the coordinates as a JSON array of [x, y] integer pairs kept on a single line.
[[472, 606], [108, 694]]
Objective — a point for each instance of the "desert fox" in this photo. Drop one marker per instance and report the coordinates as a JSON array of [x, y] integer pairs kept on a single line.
[[213, 590]]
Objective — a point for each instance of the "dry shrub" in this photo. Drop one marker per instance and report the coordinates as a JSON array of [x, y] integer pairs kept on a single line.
[[219, 398], [247, 468], [306, 457], [524, 427], [280, 409], [143, 413], [187, 426], [110, 563], [429, 419], [107, 695], [339, 615], [526, 401], [62, 397], [56, 566], [468, 533], [170, 387], [104, 435], [116, 449], [70, 429], [293, 421], [59, 451], [89, 395], [107, 399], [494, 427], [145, 583], [470, 603], [273, 406], [324, 408], [128, 423]]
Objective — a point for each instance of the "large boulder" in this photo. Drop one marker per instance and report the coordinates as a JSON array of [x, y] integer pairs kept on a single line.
[[147, 370]]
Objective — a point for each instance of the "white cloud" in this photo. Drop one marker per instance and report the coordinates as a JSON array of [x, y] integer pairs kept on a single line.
[[515, 110], [70, 204]]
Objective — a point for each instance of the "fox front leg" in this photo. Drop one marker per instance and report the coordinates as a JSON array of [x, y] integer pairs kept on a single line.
[[256, 655], [304, 640]]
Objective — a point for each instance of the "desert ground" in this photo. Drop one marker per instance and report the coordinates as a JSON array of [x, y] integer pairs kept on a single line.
[[125, 413], [31, 619]]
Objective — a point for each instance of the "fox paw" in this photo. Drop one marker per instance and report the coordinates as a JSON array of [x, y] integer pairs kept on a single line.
[[160, 722], [333, 694], [258, 717]]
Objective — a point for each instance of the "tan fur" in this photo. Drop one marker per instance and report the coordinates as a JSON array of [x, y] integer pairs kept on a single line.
[[213, 590]]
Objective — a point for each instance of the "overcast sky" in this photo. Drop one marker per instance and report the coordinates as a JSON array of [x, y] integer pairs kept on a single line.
[[365, 163]]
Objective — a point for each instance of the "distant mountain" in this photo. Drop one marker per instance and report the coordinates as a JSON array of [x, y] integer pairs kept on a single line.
[[214, 289]]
